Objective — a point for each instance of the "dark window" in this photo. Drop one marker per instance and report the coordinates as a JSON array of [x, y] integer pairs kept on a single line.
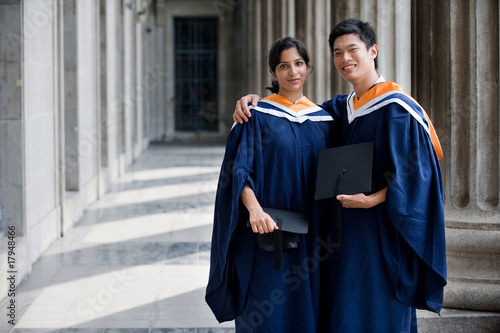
[[196, 74]]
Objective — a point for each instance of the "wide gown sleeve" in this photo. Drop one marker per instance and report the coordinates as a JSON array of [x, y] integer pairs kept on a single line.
[[414, 203], [231, 248]]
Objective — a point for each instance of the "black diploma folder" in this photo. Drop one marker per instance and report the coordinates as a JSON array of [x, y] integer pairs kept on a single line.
[[344, 170], [290, 225], [286, 220]]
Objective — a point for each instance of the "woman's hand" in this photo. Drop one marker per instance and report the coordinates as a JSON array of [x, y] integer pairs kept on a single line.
[[242, 112], [260, 221], [362, 201]]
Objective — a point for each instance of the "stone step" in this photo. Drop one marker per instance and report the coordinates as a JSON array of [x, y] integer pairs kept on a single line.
[[458, 321]]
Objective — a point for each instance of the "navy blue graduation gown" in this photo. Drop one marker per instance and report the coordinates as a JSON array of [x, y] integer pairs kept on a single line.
[[276, 153], [392, 259]]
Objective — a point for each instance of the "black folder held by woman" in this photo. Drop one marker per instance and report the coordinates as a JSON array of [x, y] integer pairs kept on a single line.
[[286, 237]]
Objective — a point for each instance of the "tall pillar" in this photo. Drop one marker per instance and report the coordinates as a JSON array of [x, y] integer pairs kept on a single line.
[[112, 87], [256, 54], [320, 53], [70, 87], [304, 28], [159, 62], [103, 97], [339, 12], [457, 80], [268, 34], [140, 88], [129, 93], [288, 9], [473, 217], [12, 154], [154, 115]]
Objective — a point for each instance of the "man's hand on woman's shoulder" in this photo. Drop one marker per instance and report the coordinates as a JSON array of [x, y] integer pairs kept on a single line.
[[242, 112]]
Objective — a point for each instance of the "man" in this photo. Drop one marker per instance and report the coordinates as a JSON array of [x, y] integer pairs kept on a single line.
[[393, 256]]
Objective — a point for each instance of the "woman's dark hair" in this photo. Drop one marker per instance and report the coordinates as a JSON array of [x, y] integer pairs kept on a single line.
[[279, 46], [355, 26]]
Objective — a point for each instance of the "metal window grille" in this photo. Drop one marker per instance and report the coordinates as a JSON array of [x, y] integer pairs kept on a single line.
[[196, 74]]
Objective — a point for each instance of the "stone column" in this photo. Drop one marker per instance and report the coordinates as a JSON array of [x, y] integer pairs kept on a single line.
[[129, 92], [112, 87], [314, 29], [268, 36], [140, 88], [100, 139], [304, 15], [160, 65], [103, 96], [70, 88], [12, 155], [457, 76], [288, 10], [256, 54], [152, 72], [473, 214]]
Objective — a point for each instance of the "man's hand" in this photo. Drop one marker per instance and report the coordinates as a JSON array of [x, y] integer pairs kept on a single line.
[[241, 112], [362, 201]]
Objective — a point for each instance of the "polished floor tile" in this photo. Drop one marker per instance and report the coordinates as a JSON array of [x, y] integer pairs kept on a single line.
[[138, 261]]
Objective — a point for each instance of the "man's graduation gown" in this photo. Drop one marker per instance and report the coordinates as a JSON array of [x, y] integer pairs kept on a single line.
[[276, 153], [392, 258]]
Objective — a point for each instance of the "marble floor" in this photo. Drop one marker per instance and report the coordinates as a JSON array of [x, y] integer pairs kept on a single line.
[[138, 261]]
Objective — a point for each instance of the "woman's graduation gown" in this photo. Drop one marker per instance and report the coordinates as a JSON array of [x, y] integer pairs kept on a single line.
[[276, 153]]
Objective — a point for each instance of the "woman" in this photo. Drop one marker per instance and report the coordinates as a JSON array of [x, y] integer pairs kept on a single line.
[[270, 162]]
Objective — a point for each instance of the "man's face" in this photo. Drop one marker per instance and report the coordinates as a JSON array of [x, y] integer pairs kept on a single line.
[[352, 60]]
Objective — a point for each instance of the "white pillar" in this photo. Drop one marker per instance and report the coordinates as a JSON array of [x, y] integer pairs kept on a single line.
[[113, 100], [129, 94]]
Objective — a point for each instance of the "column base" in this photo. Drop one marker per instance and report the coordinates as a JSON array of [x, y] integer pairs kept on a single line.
[[458, 321], [473, 260]]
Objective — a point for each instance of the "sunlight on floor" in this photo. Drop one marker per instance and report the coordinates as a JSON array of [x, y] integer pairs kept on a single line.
[[173, 172], [162, 192], [144, 226], [117, 294]]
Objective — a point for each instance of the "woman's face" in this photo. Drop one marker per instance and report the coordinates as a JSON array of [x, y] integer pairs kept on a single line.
[[291, 73]]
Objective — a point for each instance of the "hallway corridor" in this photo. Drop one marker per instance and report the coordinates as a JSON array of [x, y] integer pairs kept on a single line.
[[138, 261]]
